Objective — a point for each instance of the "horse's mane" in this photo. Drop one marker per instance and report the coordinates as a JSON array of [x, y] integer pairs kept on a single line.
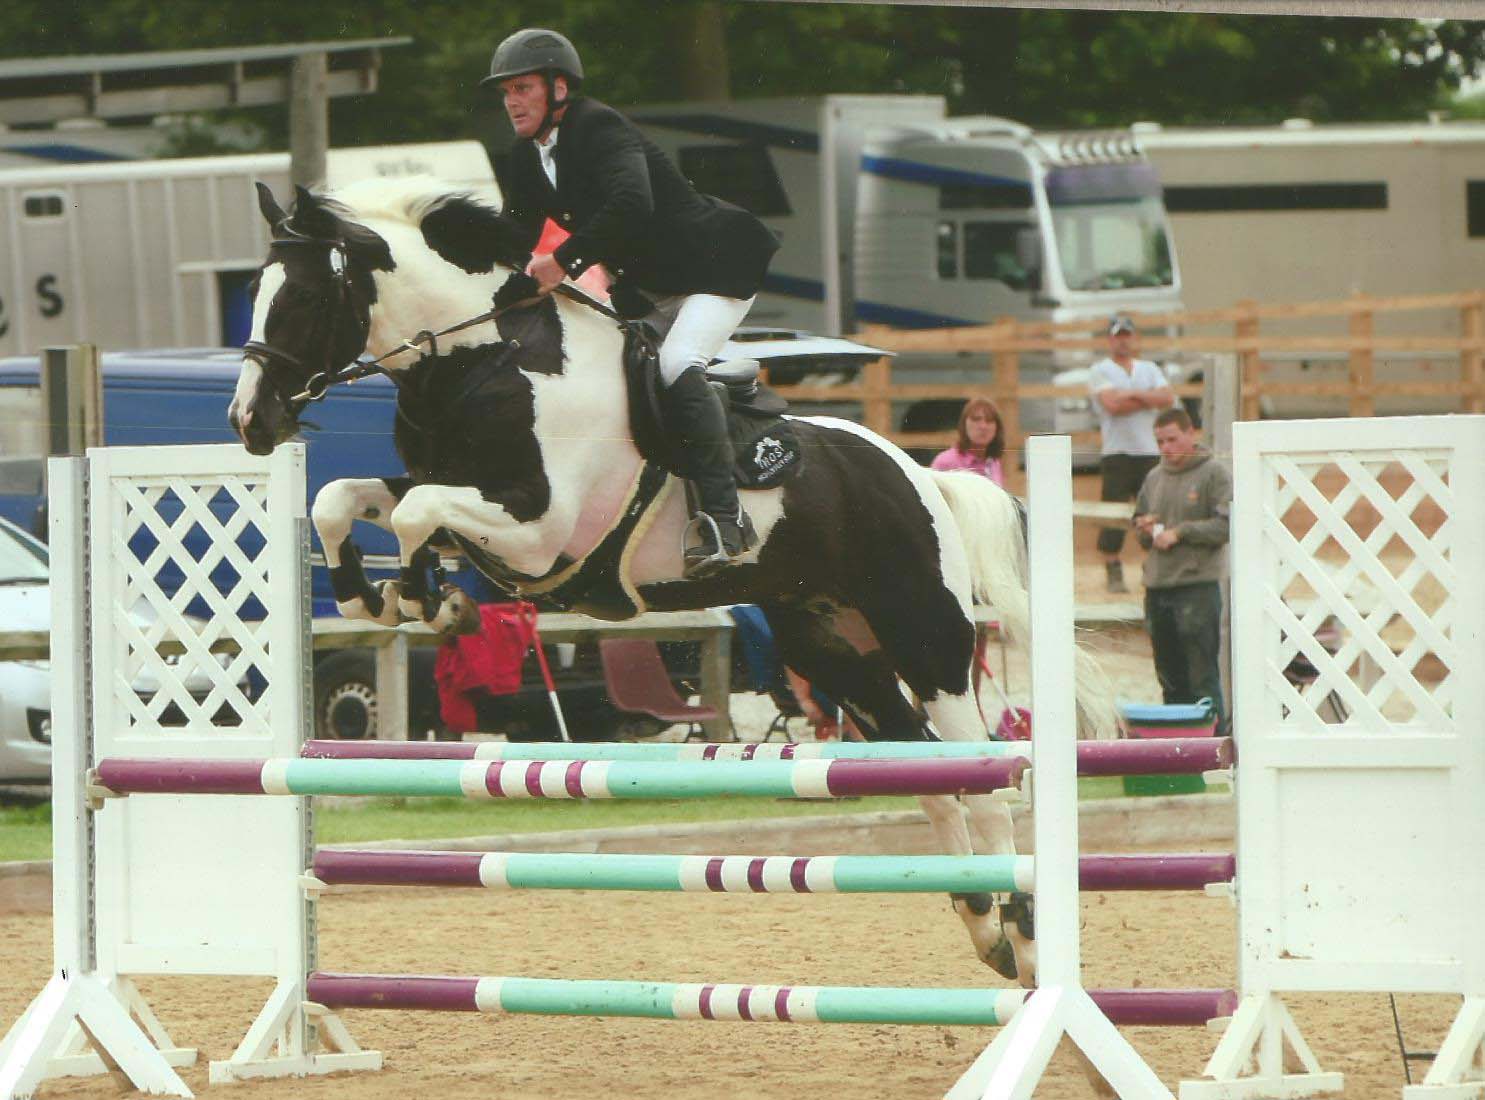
[[463, 227]]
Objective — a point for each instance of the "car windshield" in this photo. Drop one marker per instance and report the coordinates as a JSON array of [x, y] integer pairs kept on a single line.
[[1109, 224], [22, 560]]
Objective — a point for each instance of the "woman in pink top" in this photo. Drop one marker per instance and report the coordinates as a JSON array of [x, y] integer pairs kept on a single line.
[[981, 442]]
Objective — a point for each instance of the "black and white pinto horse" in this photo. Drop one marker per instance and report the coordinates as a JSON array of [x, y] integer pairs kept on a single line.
[[867, 563]]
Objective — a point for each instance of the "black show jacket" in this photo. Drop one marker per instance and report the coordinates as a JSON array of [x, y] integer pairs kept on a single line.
[[628, 207]]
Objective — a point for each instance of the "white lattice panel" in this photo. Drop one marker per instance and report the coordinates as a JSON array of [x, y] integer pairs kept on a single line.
[[1358, 558], [199, 629]]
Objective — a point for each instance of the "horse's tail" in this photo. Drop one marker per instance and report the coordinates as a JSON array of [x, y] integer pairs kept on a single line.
[[992, 524]]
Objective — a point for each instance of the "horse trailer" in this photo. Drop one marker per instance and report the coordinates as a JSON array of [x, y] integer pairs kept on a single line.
[[892, 212], [159, 253], [1304, 212]]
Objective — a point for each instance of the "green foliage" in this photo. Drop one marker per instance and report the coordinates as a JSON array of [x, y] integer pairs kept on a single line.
[[1047, 67]]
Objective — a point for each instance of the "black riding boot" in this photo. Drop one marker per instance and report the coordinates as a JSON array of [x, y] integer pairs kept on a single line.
[[697, 423]]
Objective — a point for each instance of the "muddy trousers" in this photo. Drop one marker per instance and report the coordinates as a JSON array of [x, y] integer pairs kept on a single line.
[[1185, 624]]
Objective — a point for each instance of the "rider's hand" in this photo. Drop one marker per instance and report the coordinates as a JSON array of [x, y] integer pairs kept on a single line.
[[546, 271]]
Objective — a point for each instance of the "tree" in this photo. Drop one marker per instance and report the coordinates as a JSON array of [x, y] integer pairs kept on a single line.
[[1049, 68]]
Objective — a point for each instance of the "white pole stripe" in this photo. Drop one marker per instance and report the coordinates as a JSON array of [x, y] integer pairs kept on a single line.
[[734, 874], [487, 993], [494, 870], [692, 873], [776, 874], [801, 1003], [761, 1002], [595, 778], [490, 750], [275, 777], [724, 1002], [1008, 1002], [686, 1004], [819, 875], [513, 779], [1024, 873], [552, 778], [472, 779], [806, 752], [809, 778]]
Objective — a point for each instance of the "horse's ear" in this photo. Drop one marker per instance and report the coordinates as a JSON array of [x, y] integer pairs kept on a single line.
[[311, 217], [475, 237], [272, 212]]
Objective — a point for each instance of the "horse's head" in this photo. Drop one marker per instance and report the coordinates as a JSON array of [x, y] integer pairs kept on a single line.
[[312, 302]]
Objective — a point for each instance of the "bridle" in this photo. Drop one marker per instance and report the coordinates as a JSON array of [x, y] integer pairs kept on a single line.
[[318, 382], [518, 290]]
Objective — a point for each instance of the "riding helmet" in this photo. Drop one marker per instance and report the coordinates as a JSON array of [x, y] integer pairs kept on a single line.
[[534, 50]]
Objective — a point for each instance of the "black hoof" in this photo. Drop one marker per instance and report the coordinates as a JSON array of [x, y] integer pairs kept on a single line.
[[1002, 959], [1020, 909]]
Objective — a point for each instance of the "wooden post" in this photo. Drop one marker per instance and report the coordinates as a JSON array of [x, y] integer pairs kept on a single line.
[[1362, 359], [72, 397], [1249, 366], [876, 396], [1472, 357], [1005, 366], [309, 119]]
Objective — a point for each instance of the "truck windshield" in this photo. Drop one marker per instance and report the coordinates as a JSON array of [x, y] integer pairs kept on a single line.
[[1109, 225]]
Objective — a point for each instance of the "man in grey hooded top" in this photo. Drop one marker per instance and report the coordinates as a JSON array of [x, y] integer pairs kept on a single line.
[[1181, 517]]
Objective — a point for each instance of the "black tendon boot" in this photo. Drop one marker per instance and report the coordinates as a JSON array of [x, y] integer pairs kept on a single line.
[[720, 530]]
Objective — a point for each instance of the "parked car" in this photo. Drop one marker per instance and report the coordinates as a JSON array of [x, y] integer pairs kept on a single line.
[[25, 686]]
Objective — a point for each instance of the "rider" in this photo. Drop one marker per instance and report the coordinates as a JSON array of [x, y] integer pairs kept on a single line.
[[689, 262]]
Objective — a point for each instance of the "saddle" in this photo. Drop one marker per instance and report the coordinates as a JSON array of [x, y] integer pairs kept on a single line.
[[765, 446]]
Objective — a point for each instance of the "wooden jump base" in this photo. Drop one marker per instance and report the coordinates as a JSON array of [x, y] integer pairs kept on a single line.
[[757, 874], [560, 779], [752, 1003], [1156, 756]]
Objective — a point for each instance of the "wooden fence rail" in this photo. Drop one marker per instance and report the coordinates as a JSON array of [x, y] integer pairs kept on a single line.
[[1455, 331]]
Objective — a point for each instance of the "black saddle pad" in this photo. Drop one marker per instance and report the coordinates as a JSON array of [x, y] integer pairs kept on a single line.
[[765, 446]]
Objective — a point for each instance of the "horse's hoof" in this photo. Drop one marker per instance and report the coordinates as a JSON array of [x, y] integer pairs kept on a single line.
[[391, 595], [1021, 908], [1002, 959]]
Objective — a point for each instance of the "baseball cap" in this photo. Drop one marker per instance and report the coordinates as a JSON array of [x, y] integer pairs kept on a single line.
[[1120, 323]]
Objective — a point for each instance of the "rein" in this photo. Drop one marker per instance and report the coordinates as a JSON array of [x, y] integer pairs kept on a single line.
[[515, 292]]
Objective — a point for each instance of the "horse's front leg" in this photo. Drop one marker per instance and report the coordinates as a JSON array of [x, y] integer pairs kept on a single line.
[[991, 833], [336, 507], [530, 547]]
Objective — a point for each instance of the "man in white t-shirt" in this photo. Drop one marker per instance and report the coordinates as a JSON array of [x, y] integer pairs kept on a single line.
[[1128, 394]]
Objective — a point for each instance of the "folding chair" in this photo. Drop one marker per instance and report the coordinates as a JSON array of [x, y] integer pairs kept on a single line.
[[638, 681]]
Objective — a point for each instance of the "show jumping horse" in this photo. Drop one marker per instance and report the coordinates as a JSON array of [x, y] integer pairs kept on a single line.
[[518, 440]]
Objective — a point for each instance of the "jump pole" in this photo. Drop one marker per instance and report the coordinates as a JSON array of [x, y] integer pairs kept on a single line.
[[1152, 756], [1013, 1064]]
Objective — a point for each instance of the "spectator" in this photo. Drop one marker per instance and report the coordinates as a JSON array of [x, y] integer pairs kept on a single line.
[[1127, 394], [981, 442], [1181, 517]]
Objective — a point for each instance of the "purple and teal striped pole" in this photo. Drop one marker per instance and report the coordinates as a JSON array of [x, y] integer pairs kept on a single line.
[[1175, 756], [754, 1003], [561, 778], [756, 874]]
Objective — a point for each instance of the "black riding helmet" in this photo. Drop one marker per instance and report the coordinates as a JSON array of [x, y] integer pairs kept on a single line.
[[535, 50]]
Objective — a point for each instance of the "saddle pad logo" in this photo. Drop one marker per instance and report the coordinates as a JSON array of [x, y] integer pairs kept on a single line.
[[770, 457]]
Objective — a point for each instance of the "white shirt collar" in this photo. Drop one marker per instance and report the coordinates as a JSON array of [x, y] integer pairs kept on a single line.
[[548, 153]]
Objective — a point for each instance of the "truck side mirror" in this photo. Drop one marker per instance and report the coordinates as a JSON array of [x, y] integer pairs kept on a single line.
[[1029, 255]]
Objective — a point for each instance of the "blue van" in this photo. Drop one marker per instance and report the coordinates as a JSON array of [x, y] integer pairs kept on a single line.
[[180, 396]]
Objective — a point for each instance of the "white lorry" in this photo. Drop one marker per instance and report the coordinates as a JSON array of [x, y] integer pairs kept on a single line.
[[892, 212], [159, 253]]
